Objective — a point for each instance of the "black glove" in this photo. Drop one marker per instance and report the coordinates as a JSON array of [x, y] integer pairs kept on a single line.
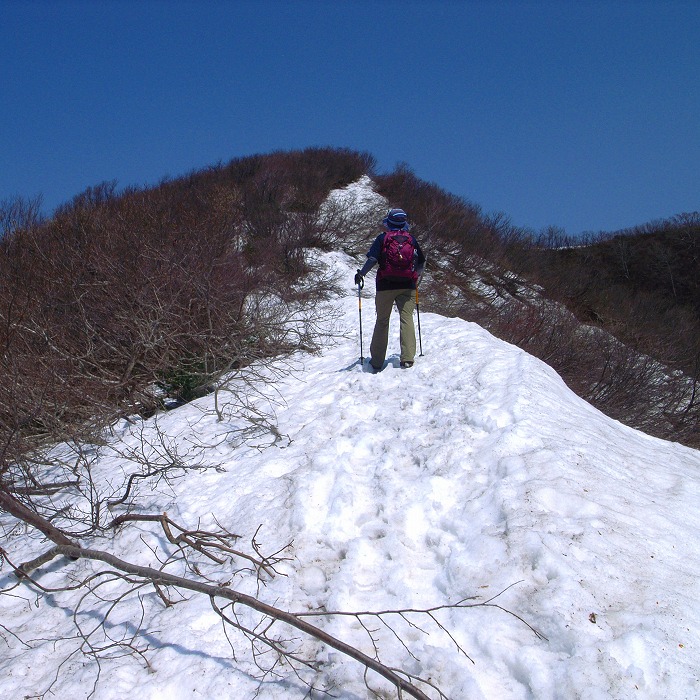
[[359, 279]]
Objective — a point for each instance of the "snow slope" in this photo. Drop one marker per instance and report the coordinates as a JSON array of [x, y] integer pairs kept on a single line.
[[475, 471]]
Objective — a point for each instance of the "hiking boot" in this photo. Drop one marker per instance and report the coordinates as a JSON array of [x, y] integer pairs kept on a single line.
[[405, 364]]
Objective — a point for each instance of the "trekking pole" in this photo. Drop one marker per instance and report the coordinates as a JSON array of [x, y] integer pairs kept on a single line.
[[360, 285], [420, 340]]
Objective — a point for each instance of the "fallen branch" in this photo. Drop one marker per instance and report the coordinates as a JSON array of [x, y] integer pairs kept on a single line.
[[215, 546], [21, 512], [162, 578], [204, 541]]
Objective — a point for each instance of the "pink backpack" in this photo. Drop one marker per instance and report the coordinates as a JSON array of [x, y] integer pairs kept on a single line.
[[397, 257]]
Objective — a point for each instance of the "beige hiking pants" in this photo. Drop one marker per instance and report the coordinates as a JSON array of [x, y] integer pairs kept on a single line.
[[405, 300]]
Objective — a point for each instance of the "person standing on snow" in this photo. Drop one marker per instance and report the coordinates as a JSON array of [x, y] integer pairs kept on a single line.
[[401, 263]]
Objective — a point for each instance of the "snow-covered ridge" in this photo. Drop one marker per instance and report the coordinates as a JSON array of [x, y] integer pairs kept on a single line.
[[359, 196], [475, 470]]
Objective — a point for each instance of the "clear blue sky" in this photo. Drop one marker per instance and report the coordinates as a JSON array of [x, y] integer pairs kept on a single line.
[[583, 115]]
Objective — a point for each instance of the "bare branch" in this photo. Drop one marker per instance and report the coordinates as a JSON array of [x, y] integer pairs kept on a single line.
[[162, 578]]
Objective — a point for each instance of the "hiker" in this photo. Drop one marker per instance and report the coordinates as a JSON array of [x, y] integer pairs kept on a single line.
[[401, 263]]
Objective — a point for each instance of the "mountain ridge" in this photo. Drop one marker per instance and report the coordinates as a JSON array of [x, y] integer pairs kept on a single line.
[[476, 473]]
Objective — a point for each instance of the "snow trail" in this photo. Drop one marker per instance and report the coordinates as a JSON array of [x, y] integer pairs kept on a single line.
[[475, 470]]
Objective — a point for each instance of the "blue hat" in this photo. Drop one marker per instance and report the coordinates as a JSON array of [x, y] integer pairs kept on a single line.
[[396, 220]]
